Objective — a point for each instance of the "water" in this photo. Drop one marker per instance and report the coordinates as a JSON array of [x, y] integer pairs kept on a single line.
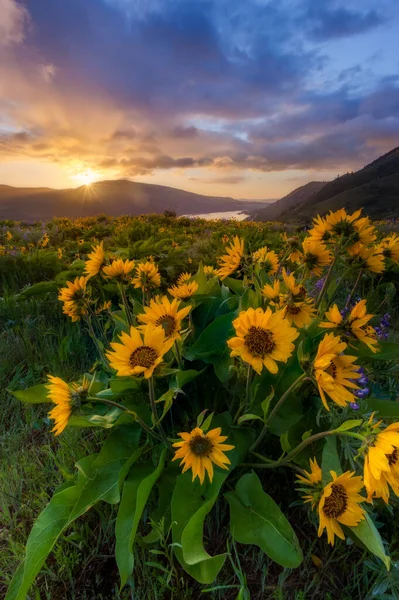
[[238, 215]]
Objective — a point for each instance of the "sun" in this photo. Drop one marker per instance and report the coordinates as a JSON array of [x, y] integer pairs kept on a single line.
[[86, 177]]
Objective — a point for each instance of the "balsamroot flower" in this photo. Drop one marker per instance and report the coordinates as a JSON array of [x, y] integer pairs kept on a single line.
[[334, 372], [199, 450], [183, 291], [74, 297], [315, 256], [262, 338], [230, 262], [166, 314], [267, 259], [183, 277], [96, 260], [352, 326], [119, 269], [137, 355], [147, 276], [381, 462], [60, 393], [371, 259]]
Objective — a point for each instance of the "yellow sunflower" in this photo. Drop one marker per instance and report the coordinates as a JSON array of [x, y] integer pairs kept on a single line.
[[371, 258], [166, 314], [209, 270], [119, 269], [340, 505], [183, 277], [230, 262], [312, 481], [268, 260], [299, 314], [353, 326], [147, 276], [321, 230], [60, 393], [334, 371], [390, 247], [271, 291], [381, 462], [74, 297], [262, 338], [351, 227], [184, 291], [199, 450], [96, 260], [137, 354], [315, 256], [293, 244], [296, 291]]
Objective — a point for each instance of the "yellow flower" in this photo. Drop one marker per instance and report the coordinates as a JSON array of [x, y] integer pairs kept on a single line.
[[293, 245], [96, 260], [381, 463], [334, 371], [164, 313], [209, 270], [183, 277], [371, 258], [230, 262], [315, 256], [340, 504], [199, 450], [74, 298], [137, 355], [271, 292], [354, 325], [343, 225], [321, 230], [184, 291], [147, 276], [390, 247], [312, 479], [8, 236], [299, 314], [59, 253], [119, 269], [295, 290], [262, 338], [60, 393], [175, 244], [44, 241], [267, 259], [103, 307]]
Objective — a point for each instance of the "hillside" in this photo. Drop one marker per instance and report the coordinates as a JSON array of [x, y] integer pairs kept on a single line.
[[110, 197], [375, 188], [292, 200]]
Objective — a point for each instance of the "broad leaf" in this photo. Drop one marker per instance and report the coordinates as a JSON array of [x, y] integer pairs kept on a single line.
[[256, 519], [387, 351], [367, 533], [33, 395], [387, 409], [330, 459]]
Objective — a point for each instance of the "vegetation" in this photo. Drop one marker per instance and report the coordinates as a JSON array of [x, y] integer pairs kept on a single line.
[[198, 409]]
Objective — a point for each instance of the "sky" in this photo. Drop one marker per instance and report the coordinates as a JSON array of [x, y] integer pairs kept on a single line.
[[241, 98]]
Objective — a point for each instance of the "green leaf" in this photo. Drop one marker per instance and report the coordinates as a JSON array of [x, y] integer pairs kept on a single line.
[[119, 385], [330, 459], [266, 404], [191, 502], [256, 519], [284, 441], [248, 417], [350, 424], [33, 395], [183, 377], [166, 485], [45, 532], [39, 289], [387, 351], [387, 409], [136, 491], [235, 285], [212, 340], [95, 420], [367, 533]]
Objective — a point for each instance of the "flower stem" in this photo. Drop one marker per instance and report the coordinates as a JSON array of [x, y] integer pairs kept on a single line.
[[157, 422], [122, 292], [178, 354], [276, 408], [245, 405], [328, 277], [95, 340], [354, 288], [127, 411]]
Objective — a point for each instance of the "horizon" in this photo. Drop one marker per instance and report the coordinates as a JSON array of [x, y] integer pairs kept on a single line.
[[219, 99]]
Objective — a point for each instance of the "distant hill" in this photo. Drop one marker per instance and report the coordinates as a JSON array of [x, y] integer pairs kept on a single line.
[[295, 198], [115, 198], [375, 188]]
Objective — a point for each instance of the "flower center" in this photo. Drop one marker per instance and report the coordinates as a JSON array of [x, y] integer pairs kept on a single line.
[[311, 260], [337, 503], [168, 323], [393, 458], [332, 369], [144, 356], [259, 341], [293, 310], [345, 228], [200, 445]]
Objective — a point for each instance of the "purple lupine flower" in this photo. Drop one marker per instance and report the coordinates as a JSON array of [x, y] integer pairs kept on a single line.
[[354, 405], [363, 380], [362, 393]]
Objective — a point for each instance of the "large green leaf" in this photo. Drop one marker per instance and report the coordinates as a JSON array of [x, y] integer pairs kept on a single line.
[[212, 340], [387, 351], [166, 485], [330, 459], [136, 490], [256, 519], [367, 533], [33, 395], [45, 532], [39, 289], [387, 409], [191, 502]]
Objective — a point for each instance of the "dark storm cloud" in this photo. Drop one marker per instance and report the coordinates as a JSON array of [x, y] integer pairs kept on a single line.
[[323, 21]]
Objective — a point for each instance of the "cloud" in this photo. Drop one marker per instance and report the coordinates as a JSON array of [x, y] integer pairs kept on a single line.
[[14, 18], [324, 23]]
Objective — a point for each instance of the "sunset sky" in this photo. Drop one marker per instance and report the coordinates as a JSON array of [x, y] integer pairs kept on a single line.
[[242, 98]]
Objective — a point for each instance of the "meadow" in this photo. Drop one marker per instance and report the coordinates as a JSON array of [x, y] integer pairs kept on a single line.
[[199, 409]]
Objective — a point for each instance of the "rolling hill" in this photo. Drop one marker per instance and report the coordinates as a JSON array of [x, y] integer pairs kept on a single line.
[[115, 197], [375, 188], [294, 199]]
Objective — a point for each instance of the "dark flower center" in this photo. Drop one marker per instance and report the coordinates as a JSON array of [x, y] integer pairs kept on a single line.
[[144, 356], [337, 503], [345, 228], [393, 458], [168, 323], [293, 310], [311, 260], [332, 369], [259, 341], [200, 445]]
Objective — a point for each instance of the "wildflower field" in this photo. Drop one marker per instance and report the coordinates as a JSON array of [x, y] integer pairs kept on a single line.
[[199, 409]]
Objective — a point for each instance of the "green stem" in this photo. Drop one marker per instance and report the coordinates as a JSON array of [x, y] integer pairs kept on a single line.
[[95, 340], [122, 292], [127, 411], [354, 288], [178, 354], [157, 422], [328, 277], [276, 408], [244, 405]]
